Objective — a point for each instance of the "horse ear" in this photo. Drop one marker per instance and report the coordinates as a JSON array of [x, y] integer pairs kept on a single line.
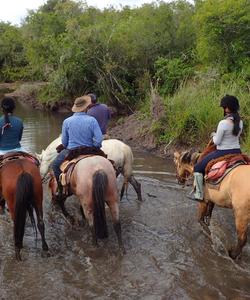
[[176, 155], [186, 157]]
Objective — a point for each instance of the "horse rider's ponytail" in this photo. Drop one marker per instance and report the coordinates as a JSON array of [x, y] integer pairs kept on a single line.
[[232, 103], [236, 121], [8, 106]]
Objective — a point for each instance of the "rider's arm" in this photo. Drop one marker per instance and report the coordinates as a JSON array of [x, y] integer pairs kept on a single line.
[[217, 138], [65, 134], [97, 138]]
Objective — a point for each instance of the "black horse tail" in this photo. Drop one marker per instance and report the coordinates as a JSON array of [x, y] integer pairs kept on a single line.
[[100, 183], [24, 203]]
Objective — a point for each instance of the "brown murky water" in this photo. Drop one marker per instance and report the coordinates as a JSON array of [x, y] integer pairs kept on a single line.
[[168, 256]]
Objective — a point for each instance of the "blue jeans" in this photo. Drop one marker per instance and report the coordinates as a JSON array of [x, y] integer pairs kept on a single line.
[[201, 166], [58, 161]]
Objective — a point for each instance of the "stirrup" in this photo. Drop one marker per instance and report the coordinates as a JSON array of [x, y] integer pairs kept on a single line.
[[190, 195]]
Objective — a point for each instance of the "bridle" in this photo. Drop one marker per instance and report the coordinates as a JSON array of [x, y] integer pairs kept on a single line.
[[182, 179]]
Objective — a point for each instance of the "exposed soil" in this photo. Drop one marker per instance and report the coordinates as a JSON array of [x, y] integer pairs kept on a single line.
[[136, 132], [27, 92]]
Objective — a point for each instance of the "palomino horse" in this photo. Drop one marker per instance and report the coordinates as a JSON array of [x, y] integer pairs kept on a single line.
[[93, 182], [233, 193], [21, 188], [116, 150]]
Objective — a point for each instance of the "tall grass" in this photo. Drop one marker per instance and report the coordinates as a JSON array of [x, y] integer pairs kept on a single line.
[[194, 111]]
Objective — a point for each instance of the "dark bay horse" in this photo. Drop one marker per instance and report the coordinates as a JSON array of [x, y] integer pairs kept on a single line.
[[234, 193], [93, 182], [21, 188]]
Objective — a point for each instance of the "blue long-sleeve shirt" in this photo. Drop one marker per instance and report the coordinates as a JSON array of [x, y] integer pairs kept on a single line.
[[81, 130], [10, 137]]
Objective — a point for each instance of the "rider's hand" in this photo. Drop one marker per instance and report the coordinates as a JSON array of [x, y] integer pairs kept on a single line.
[[59, 148], [212, 134]]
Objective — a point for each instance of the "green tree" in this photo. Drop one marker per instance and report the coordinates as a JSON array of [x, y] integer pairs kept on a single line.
[[223, 33], [12, 53]]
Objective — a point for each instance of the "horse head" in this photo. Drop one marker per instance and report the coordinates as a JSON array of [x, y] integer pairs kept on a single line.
[[184, 163]]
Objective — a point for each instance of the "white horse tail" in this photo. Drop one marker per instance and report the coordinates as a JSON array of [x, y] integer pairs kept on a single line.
[[128, 162], [100, 184]]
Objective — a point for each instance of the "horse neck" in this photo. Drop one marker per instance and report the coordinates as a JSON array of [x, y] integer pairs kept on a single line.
[[189, 168]]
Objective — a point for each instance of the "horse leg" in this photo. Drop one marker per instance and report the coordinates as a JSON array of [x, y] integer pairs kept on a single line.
[[2, 206], [114, 210], [124, 186], [202, 212], [88, 214], [40, 225], [83, 220], [241, 228], [68, 216], [136, 185], [208, 215]]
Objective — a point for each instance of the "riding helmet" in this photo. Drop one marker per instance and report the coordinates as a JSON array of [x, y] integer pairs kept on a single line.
[[8, 104], [230, 102]]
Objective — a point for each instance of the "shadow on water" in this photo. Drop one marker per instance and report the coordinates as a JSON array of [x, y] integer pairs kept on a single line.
[[168, 256]]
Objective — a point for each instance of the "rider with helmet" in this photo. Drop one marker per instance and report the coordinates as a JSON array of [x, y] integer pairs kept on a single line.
[[11, 128], [226, 139]]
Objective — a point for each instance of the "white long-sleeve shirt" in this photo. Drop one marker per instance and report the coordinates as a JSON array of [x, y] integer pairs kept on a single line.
[[224, 138]]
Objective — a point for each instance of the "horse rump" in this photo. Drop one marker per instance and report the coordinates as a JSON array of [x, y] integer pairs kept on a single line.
[[100, 183]]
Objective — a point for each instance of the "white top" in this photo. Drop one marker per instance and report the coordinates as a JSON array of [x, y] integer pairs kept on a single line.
[[224, 138]]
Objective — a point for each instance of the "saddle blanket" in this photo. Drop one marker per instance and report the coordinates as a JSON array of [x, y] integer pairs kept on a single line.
[[217, 169], [10, 156]]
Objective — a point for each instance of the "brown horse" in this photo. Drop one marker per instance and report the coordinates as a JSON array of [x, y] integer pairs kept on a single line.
[[93, 182], [234, 192], [21, 188]]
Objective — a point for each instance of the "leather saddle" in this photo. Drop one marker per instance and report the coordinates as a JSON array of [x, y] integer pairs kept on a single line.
[[67, 168], [10, 156], [218, 168]]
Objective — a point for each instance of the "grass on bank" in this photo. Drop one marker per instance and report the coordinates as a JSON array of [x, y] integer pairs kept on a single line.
[[193, 112]]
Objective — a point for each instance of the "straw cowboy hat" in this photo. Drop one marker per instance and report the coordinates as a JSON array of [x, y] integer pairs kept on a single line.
[[81, 103]]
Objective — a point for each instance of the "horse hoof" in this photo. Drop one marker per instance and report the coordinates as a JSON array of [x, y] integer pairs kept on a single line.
[[123, 251], [233, 254], [45, 254], [18, 257], [71, 220], [205, 228]]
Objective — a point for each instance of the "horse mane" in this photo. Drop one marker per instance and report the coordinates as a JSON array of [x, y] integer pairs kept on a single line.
[[190, 157]]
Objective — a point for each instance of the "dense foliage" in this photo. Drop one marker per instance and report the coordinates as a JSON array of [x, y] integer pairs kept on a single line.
[[192, 53]]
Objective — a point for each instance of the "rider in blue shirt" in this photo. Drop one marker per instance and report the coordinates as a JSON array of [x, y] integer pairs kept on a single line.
[[11, 128], [78, 130]]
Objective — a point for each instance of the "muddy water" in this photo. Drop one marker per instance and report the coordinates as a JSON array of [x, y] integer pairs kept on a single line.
[[168, 256]]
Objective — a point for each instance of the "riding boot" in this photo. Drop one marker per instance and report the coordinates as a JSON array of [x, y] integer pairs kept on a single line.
[[197, 194]]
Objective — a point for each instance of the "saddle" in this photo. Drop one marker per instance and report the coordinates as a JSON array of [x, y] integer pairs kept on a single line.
[[72, 159], [218, 168], [10, 156], [67, 168]]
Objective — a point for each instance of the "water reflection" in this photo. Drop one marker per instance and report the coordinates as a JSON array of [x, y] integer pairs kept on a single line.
[[40, 127]]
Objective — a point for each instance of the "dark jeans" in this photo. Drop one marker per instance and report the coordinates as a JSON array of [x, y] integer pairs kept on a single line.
[[58, 161], [201, 166]]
